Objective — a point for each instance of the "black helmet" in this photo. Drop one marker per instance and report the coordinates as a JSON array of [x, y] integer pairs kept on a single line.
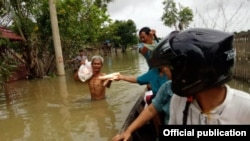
[[198, 59]]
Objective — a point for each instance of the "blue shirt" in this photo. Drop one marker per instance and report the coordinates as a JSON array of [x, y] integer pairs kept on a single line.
[[153, 78], [149, 51], [161, 101]]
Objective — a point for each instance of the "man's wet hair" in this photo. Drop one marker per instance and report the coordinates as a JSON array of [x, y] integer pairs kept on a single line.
[[97, 57]]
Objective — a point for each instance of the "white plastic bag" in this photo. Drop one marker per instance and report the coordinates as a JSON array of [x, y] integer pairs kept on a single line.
[[85, 72]]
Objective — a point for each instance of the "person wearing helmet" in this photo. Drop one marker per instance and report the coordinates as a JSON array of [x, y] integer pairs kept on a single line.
[[201, 63]]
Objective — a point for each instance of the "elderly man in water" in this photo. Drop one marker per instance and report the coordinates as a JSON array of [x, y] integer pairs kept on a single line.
[[97, 87]]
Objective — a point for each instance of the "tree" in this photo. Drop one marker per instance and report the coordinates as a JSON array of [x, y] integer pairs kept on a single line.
[[80, 24], [227, 15], [174, 17], [5, 16], [124, 33]]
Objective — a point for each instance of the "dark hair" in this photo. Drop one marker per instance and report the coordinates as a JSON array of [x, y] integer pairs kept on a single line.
[[145, 29]]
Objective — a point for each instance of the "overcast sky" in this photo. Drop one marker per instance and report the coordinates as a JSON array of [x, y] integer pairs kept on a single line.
[[207, 13]]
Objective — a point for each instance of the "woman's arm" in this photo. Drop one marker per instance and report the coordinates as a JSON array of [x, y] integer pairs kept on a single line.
[[147, 114], [131, 79]]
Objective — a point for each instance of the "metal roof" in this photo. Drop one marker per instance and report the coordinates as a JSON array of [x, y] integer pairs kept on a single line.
[[6, 33]]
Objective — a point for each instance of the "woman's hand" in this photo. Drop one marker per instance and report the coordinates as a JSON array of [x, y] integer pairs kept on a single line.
[[152, 32], [122, 137], [118, 77]]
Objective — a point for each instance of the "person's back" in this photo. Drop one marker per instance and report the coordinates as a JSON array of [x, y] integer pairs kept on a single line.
[[155, 77]]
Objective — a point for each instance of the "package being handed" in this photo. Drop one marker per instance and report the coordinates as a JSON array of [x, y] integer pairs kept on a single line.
[[111, 76], [85, 71]]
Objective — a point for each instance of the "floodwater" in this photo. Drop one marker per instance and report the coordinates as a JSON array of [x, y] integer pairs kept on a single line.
[[60, 109]]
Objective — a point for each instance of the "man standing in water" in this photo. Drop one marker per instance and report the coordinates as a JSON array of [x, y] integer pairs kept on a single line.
[[97, 87]]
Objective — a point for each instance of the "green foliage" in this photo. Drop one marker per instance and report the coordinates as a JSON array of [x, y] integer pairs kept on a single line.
[[3, 42], [7, 66], [82, 24], [174, 17], [171, 13], [123, 33], [186, 16], [102, 3]]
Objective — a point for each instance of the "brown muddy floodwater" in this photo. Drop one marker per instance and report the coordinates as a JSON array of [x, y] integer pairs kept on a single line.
[[60, 109]]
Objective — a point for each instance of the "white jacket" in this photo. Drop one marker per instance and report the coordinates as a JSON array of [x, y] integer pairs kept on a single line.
[[234, 110]]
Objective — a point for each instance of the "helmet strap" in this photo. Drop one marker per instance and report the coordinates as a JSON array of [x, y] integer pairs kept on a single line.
[[185, 111]]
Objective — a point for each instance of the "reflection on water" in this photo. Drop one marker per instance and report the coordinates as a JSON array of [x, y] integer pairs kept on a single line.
[[60, 108], [96, 121]]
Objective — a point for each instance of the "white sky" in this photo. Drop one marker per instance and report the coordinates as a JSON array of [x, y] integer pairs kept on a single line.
[[207, 13]]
